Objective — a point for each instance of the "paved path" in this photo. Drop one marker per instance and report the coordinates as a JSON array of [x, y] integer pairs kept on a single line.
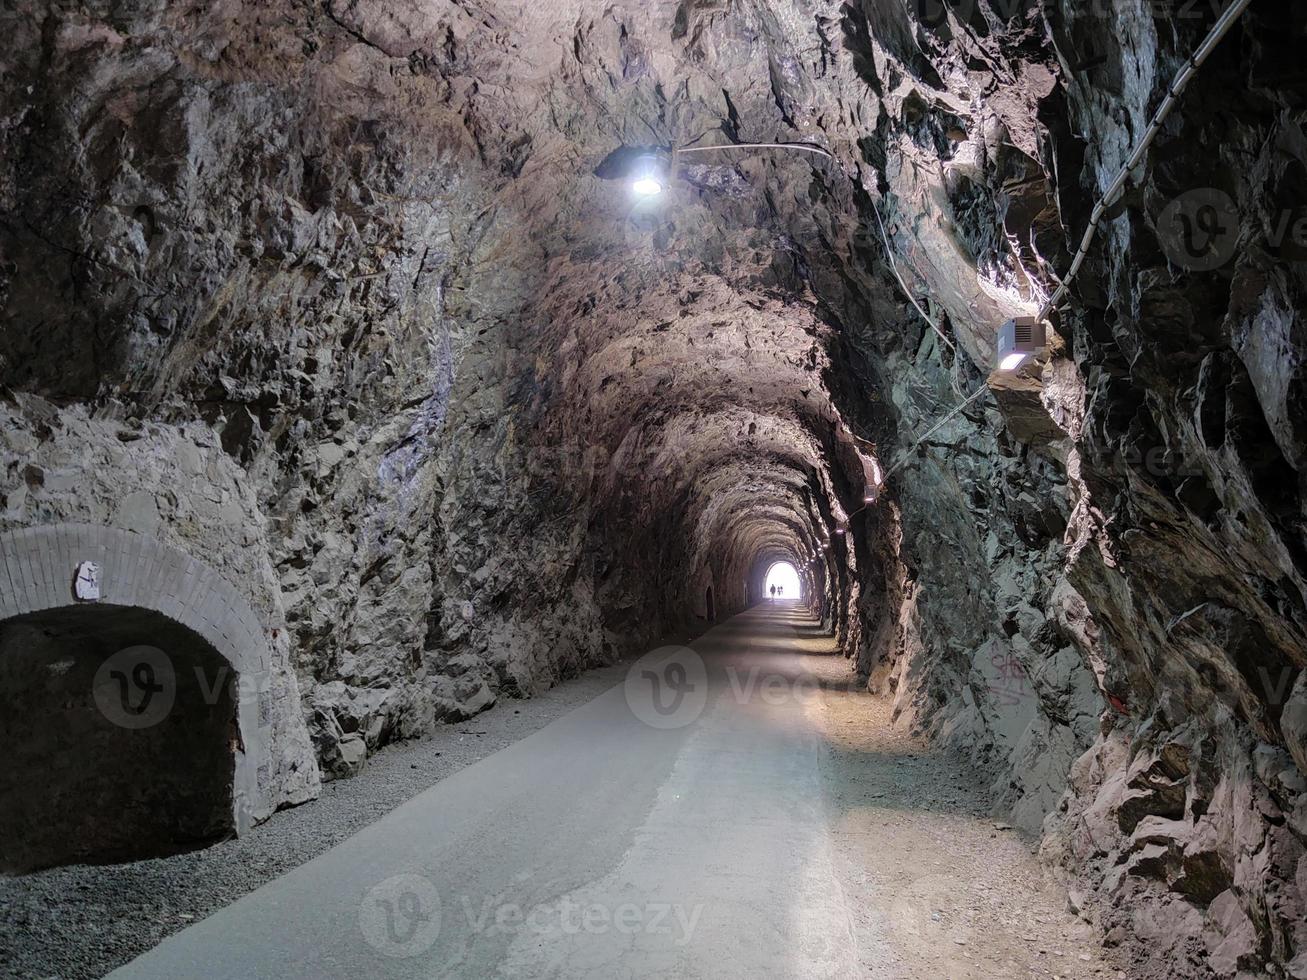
[[701, 820]]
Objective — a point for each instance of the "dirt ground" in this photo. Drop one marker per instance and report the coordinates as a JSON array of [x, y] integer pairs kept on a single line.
[[937, 886]]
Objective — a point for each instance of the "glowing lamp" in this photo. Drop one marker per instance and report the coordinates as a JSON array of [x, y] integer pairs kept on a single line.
[[646, 186], [648, 175], [1019, 340]]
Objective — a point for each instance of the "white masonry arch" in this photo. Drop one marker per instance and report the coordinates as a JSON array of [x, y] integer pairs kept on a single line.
[[37, 569]]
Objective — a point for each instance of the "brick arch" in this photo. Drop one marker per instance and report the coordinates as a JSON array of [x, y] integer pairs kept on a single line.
[[37, 567]]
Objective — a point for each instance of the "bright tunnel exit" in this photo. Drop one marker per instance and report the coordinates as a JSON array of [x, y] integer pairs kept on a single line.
[[785, 578]]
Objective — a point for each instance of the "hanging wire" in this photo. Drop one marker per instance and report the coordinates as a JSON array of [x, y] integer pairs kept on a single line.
[[1186, 74], [679, 151], [1183, 78], [907, 453], [1219, 30], [894, 267]]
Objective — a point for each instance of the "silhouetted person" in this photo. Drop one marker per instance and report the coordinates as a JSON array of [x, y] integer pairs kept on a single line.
[[773, 593], [780, 590]]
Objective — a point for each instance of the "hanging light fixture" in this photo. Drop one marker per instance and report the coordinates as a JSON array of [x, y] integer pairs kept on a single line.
[[649, 170], [648, 175]]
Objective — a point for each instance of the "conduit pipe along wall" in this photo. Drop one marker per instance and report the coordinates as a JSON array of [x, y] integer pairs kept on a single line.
[[1186, 74]]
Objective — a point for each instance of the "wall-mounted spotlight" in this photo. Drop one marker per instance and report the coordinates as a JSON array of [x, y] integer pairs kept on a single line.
[[841, 527], [1019, 340], [870, 493], [649, 175]]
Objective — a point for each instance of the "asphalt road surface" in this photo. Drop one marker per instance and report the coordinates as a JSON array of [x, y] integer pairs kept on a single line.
[[702, 819]]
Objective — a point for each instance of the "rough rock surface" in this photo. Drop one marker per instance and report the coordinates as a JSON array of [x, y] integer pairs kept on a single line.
[[494, 422]]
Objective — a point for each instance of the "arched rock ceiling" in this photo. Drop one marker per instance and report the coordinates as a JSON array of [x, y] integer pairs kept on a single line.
[[679, 337], [686, 328], [709, 391], [624, 323]]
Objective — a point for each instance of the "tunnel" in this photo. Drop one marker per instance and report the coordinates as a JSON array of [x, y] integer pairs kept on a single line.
[[784, 576], [120, 729], [407, 409]]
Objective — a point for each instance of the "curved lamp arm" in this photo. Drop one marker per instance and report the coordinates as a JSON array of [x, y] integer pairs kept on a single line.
[[801, 147], [718, 147]]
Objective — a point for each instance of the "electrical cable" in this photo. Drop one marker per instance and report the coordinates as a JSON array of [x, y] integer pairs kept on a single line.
[[802, 147], [907, 454], [894, 267], [1219, 30], [1218, 33], [1186, 74]]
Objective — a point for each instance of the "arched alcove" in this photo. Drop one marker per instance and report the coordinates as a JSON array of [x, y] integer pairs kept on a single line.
[[155, 589], [120, 729]]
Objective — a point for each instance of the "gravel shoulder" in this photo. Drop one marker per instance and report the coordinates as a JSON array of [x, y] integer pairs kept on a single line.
[[937, 887], [82, 921]]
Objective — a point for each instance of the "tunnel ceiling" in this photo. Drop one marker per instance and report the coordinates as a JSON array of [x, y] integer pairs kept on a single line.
[[403, 298], [681, 335]]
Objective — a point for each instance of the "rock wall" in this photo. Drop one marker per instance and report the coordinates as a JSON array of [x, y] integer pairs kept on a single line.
[[214, 228], [495, 422], [1117, 626], [172, 485]]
